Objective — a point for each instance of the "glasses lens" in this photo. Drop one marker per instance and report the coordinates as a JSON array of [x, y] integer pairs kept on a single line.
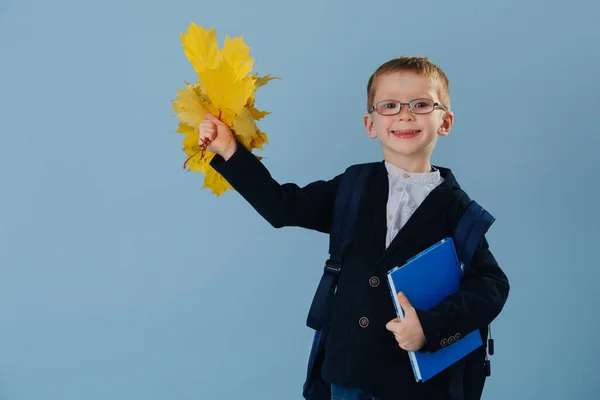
[[388, 107], [421, 106]]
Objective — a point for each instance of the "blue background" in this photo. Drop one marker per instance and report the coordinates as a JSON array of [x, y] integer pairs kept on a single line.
[[122, 279]]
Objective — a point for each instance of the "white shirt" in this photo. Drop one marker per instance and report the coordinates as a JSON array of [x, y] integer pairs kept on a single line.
[[407, 192]]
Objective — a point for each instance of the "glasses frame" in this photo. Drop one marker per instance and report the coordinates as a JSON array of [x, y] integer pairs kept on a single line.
[[410, 105]]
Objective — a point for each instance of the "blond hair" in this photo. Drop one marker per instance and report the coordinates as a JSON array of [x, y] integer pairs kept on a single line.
[[417, 65]]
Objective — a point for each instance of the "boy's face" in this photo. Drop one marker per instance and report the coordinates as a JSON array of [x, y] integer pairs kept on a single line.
[[407, 138]]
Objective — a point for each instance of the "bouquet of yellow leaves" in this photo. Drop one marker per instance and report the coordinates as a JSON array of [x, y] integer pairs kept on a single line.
[[225, 89]]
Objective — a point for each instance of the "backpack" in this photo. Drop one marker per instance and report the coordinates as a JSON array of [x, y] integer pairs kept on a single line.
[[470, 230]]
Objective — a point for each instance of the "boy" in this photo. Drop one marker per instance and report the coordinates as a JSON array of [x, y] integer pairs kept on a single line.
[[409, 206]]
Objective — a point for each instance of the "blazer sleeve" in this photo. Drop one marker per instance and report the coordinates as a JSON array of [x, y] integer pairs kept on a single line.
[[482, 295], [281, 205]]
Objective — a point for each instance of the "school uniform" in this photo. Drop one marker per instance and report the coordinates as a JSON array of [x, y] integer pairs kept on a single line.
[[391, 227]]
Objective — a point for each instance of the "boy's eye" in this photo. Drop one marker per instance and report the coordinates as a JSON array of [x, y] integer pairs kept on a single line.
[[389, 105], [422, 104]]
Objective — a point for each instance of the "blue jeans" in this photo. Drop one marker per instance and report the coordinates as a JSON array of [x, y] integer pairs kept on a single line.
[[346, 393]]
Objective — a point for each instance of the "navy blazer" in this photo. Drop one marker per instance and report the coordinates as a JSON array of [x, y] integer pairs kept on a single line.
[[359, 351]]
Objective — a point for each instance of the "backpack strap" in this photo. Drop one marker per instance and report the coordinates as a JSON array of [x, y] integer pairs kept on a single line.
[[471, 228], [345, 211]]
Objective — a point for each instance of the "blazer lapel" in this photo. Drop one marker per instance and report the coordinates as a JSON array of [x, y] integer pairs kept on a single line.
[[431, 207], [378, 198]]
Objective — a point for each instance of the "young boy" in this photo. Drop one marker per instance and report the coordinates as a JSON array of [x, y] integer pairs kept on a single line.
[[409, 206]]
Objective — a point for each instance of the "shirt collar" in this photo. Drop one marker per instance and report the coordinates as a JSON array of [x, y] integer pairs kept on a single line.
[[421, 178]]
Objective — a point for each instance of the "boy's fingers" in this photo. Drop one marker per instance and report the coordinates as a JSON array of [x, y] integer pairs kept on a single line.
[[207, 124], [393, 325], [214, 119], [404, 301], [207, 136]]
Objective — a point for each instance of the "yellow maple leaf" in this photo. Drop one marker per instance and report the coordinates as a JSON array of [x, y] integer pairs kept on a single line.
[[191, 147], [190, 107], [187, 130], [258, 82], [261, 81], [225, 88], [226, 115], [256, 114], [246, 141], [244, 124], [216, 183], [237, 54], [223, 75], [201, 48], [259, 139]]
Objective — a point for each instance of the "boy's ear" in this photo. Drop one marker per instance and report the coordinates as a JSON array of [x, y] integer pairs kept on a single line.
[[369, 126], [447, 122]]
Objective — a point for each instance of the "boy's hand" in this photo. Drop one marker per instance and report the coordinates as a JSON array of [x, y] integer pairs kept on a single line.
[[408, 333], [218, 137]]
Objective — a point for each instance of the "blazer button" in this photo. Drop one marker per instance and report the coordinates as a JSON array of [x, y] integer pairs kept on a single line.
[[363, 322], [451, 340], [457, 337], [444, 342], [374, 281]]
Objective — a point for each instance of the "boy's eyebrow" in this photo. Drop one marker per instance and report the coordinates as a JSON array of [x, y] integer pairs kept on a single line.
[[413, 97], [418, 95]]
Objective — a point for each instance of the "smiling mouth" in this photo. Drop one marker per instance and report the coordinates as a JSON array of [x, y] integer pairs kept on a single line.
[[405, 133]]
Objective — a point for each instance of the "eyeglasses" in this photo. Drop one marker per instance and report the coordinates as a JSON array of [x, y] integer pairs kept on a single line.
[[417, 106]]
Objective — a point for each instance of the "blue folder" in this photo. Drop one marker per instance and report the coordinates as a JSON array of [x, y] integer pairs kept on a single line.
[[426, 280]]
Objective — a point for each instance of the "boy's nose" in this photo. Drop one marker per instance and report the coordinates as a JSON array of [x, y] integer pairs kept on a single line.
[[405, 113]]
